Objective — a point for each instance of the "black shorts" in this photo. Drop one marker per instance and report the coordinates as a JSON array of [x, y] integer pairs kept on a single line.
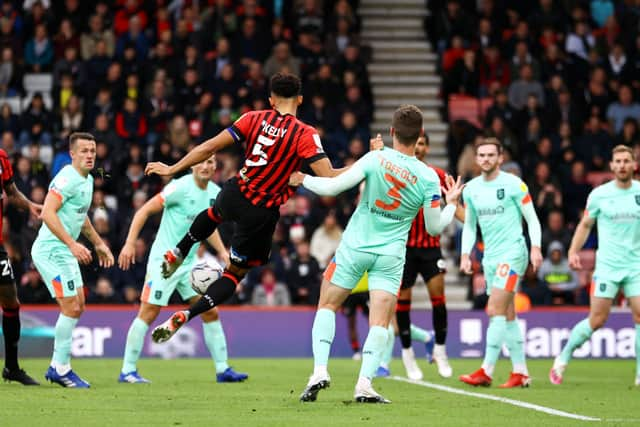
[[427, 262], [254, 226], [353, 301], [6, 271]]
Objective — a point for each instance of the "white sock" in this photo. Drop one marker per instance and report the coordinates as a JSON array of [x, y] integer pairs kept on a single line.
[[61, 369], [363, 383], [488, 369], [439, 350], [521, 368], [408, 352], [320, 370]]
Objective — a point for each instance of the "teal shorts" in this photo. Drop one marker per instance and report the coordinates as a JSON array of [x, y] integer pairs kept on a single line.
[[506, 273], [59, 270], [349, 265], [157, 290], [607, 282]]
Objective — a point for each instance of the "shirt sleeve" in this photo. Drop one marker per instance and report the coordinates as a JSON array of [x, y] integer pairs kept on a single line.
[[310, 146], [593, 208], [7, 169], [171, 193], [470, 226], [521, 194], [62, 186], [240, 128], [336, 185]]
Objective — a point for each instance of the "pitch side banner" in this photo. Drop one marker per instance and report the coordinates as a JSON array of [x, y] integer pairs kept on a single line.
[[286, 332]]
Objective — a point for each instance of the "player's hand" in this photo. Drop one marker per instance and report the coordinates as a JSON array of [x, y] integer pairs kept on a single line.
[[127, 256], [465, 264], [35, 209], [157, 168], [82, 254], [296, 179], [574, 261], [452, 189], [376, 143], [536, 258], [105, 257]]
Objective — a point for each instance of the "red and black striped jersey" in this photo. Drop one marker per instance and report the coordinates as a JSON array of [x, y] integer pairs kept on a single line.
[[276, 146], [418, 236], [6, 178]]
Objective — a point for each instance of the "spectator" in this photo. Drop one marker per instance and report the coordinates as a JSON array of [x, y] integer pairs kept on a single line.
[[131, 124], [556, 274], [576, 191], [10, 74], [269, 292], [580, 42], [303, 276], [325, 239], [555, 230], [133, 37], [9, 122], [66, 38], [536, 290], [280, 58], [622, 109], [38, 53], [104, 293], [97, 33], [523, 87]]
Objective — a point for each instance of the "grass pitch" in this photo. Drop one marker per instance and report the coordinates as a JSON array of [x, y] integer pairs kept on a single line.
[[184, 393]]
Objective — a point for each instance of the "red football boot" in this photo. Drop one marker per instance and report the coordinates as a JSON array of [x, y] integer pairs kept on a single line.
[[477, 378], [517, 380]]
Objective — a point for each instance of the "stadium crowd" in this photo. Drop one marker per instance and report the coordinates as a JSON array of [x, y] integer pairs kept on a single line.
[[558, 82], [152, 78]]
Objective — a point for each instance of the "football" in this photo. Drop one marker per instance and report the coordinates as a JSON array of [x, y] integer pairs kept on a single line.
[[203, 274]]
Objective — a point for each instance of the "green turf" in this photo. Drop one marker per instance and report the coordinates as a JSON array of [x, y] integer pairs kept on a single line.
[[184, 392]]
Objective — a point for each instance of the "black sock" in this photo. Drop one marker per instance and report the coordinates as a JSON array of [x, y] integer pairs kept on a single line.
[[217, 293], [403, 317], [202, 227], [440, 321], [11, 331]]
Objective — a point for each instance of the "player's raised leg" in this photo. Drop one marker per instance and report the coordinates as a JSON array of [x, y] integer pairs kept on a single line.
[[581, 332], [322, 334]]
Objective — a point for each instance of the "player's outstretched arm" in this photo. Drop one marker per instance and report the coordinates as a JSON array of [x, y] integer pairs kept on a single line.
[[199, 154], [435, 220], [19, 200], [105, 257], [579, 238], [535, 233], [128, 253], [52, 203], [330, 186]]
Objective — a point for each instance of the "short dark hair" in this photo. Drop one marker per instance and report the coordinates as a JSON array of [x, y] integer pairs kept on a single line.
[[488, 141], [74, 137], [285, 85], [407, 124]]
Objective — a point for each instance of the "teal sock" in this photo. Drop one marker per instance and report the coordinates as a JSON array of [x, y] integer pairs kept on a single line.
[[216, 342], [372, 351], [515, 344], [387, 354], [322, 333], [62, 340], [579, 334], [135, 342], [495, 337], [638, 350], [419, 334]]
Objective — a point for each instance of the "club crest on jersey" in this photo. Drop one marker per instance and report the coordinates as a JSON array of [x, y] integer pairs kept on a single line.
[[637, 198], [500, 193]]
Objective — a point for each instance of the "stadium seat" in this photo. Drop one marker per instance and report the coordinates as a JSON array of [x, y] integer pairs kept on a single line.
[[485, 104], [464, 107], [597, 178], [38, 82], [46, 98], [14, 102]]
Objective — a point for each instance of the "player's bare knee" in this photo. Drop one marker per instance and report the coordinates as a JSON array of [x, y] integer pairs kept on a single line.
[[148, 313], [597, 321], [210, 316]]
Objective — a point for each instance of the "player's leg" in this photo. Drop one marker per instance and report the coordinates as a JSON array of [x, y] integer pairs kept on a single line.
[[515, 344], [11, 324], [435, 286], [250, 247], [147, 314], [385, 276], [403, 313], [350, 311], [322, 335], [387, 355], [632, 293], [216, 342], [602, 294]]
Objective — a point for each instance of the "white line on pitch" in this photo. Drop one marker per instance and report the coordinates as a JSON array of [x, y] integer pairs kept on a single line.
[[513, 402]]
